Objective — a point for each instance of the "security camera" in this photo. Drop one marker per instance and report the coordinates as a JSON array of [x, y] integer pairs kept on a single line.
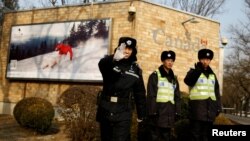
[[131, 10], [224, 41]]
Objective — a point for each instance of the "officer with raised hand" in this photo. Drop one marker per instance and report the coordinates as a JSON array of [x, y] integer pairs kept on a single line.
[[122, 83], [204, 96]]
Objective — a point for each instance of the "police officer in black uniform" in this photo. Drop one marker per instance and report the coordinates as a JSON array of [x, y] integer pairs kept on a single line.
[[163, 99], [204, 96], [122, 84]]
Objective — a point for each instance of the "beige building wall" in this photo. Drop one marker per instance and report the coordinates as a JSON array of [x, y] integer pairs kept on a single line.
[[155, 27], [159, 28]]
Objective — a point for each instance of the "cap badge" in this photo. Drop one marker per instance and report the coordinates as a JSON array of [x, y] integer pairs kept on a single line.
[[169, 55], [129, 42], [208, 54]]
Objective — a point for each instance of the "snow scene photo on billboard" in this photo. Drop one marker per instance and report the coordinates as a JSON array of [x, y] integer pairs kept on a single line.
[[58, 51]]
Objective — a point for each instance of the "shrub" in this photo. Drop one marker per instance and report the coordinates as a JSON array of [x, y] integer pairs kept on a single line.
[[222, 120], [35, 113], [77, 105]]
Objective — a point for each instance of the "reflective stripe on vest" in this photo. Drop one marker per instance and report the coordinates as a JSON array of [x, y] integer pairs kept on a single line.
[[165, 91], [203, 88]]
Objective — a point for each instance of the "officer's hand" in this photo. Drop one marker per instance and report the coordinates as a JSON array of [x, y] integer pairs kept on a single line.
[[198, 66], [142, 131], [119, 53], [142, 123], [139, 120]]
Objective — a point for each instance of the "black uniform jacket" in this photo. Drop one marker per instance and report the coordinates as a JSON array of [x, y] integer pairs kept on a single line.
[[163, 113], [203, 110], [122, 80]]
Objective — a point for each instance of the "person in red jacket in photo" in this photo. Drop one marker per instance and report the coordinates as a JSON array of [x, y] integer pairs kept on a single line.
[[63, 49]]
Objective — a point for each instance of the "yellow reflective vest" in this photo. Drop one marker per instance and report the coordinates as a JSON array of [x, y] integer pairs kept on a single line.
[[203, 88], [165, 91]]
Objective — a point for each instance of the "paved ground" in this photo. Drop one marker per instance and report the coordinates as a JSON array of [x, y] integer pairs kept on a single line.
[[238, 119], [11, 131]]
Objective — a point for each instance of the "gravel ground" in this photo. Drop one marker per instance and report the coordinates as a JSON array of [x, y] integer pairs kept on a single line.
[[11, 131]]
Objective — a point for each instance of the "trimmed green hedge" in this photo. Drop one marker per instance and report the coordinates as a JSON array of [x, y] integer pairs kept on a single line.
[[35, 113]]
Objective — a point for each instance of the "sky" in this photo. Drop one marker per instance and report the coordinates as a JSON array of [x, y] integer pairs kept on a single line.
[[233, 13]]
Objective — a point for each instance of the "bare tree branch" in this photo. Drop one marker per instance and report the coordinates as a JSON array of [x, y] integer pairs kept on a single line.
[[207, 8], [237, 68], [53, 2]]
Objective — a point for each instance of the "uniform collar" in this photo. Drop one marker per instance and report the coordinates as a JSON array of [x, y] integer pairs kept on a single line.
[[166, 74]]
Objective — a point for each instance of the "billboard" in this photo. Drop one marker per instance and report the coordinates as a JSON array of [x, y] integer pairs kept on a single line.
[[65, 51]]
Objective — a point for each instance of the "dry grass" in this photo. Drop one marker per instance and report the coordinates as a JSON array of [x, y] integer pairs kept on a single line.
[[222, 120]]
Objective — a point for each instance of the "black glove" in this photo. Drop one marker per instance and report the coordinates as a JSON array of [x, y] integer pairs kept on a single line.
[[198, 66]]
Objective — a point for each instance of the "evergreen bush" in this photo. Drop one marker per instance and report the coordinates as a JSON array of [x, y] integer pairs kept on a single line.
[[35, 113]]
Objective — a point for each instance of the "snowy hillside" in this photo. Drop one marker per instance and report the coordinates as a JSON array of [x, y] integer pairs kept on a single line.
[[84, 65]]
